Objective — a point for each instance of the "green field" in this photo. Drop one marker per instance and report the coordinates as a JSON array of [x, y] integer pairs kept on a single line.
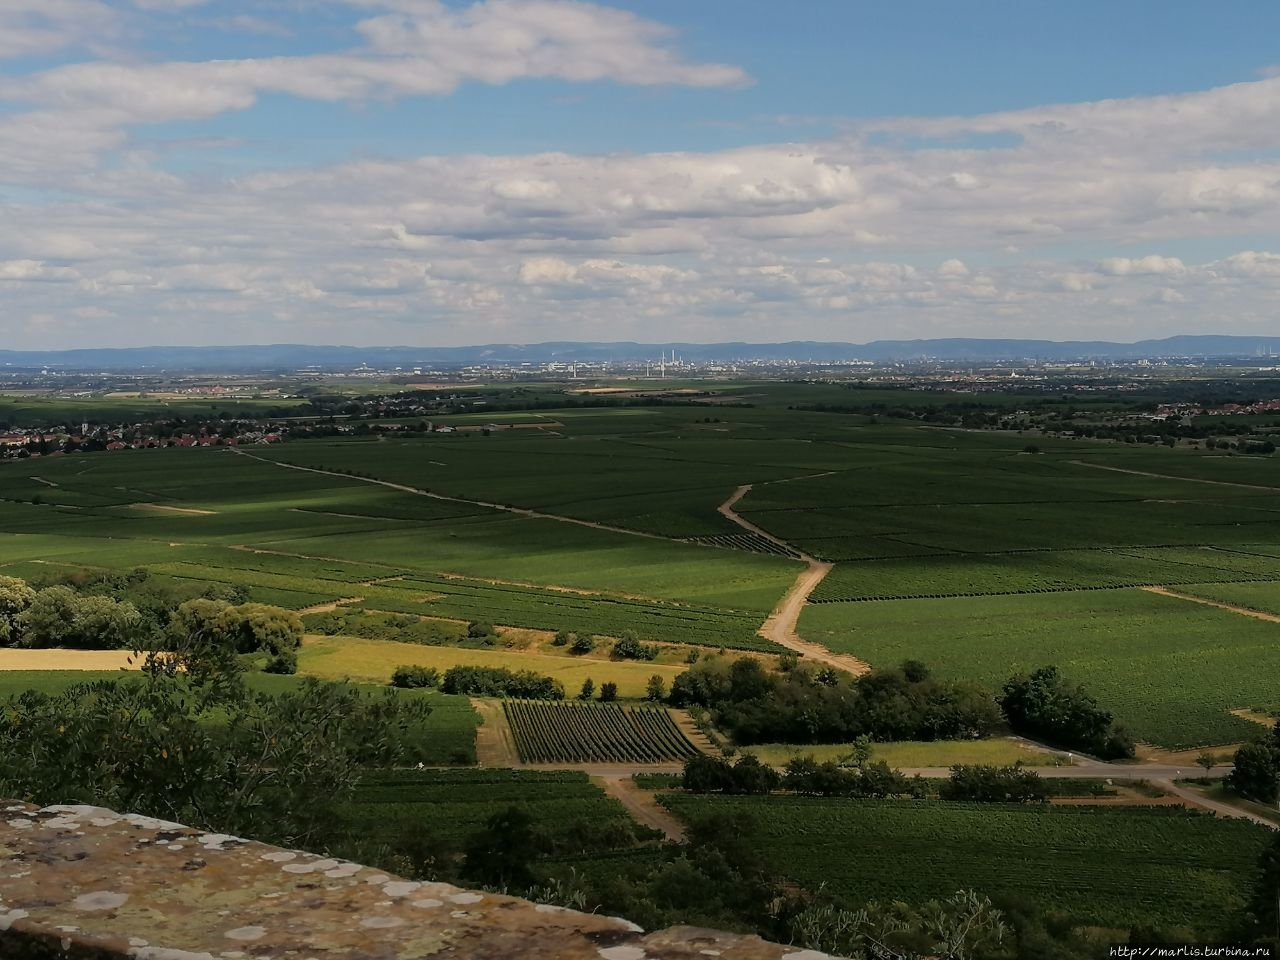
[[1170, 669], [449, 805], [1035, 551], [1117, 867]]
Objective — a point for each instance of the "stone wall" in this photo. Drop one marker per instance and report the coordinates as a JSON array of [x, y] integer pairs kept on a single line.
[[84, 883]]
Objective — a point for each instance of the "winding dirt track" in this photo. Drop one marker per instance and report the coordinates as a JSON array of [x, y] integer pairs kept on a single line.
[[780, 627], [1233, 608]]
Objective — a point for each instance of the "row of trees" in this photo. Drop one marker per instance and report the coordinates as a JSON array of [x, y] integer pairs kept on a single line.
[[1045, 706], [805, 705], [60, 616]]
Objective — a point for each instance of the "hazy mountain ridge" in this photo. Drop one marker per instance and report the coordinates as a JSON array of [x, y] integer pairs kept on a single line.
[[294, 356]]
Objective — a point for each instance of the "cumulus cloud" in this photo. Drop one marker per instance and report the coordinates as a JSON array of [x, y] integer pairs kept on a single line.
[[37, 27], [855, 236]]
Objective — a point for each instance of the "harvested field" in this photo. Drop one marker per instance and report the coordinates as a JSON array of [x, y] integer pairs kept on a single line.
[[67, 660]]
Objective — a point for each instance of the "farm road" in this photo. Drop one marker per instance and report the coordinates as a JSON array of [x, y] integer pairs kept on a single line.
[[501, 507], [1233, 608], [1169, 476], [780, 627], [641, 805], [1192, 799]]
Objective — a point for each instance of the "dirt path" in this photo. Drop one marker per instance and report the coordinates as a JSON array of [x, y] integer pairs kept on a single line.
[[495, 747], [575, 591], [1192, 799], [47, 483], [780, 627], [642, 805], [501, 507], [1243, 611], [329, 607], [1169, 476]]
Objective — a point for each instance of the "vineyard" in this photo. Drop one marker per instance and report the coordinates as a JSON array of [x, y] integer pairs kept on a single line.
[[594, 732], [1112, 867], [389, 805], [751, 542]]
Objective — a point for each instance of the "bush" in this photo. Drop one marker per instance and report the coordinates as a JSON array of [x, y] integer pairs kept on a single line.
[[411, 677], [608, 691], [500, 682], [562, 638], [588, 689], [628, 647], [282, 662], [1046, 707], [478, 628], [582, 644], [657, 689], [987, 784]]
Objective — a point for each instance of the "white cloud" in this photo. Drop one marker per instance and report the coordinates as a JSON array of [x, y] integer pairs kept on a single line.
[[1152, 264], [38, 27]]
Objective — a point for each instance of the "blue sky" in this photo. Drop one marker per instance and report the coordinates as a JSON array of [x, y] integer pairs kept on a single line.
[[415, 171]]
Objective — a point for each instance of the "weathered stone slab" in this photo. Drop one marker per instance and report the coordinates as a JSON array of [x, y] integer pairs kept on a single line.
[[84, 883]]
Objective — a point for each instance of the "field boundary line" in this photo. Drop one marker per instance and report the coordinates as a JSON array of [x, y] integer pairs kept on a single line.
[[1169, 476], [500, 507], [1230, 607], [495, 745]]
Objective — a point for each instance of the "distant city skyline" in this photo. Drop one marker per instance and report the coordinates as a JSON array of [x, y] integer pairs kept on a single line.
[[416, 172]]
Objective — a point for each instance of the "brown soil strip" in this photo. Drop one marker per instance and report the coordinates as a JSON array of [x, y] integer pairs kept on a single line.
[[328, 607], [161, 508], [1254, 716], [1233, 608], [642, 805], [495, 747], [691, 731], [576, 591], [1168, 476]]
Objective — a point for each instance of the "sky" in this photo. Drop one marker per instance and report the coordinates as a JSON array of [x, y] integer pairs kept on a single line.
[[422, 172]]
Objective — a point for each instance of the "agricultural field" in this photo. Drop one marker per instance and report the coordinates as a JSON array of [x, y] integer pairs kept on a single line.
[[1171, 669], [1104, 867], [1040, 554], [594, 733], [449, 805], [373, 661], [910, 754]]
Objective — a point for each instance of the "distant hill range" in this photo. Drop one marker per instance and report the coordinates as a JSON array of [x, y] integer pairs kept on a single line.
[[295, 356]]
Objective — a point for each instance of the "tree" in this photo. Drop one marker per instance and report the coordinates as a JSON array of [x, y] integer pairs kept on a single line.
[[583, 643], [1256, 773], [60, 617], [15, 597], [588, 689], [502, 854], [608, 691], [186, 741], [1044, 705], [1207, 760], [478, 629], [657, 689], [990, 784]]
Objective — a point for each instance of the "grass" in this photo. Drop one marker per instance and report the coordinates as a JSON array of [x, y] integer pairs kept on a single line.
[[1170, 669], [913, 754], [355, 658], [1108, 867]]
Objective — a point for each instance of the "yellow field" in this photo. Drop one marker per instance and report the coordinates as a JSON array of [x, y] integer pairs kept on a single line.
[[909, 754], [356, 658], [66, 659]]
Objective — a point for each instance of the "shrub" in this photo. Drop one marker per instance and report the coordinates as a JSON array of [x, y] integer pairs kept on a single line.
[[628, 647], [478, 628], [608, 691], [412, 677], [562, 638], [989, 784], [500, 682], [582, 644]]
